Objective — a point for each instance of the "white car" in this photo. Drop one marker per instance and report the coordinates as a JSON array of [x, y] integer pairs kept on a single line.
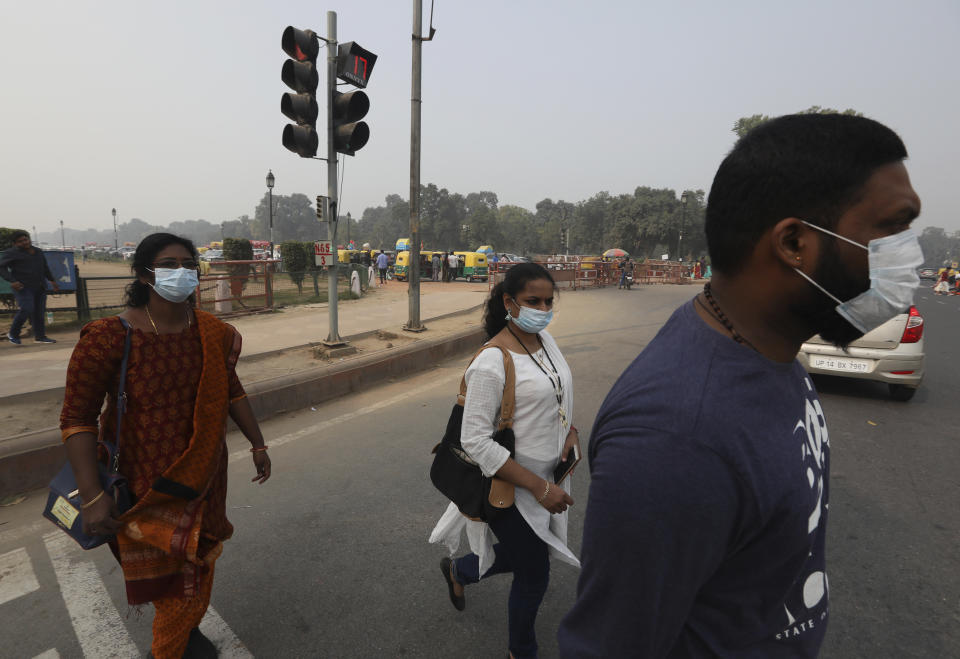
[[892, 353]]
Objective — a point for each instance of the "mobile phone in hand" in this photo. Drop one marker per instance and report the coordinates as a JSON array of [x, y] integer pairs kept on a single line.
[[566, 466]]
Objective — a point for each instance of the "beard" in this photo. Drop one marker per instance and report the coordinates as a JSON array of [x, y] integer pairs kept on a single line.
[[820, 310]]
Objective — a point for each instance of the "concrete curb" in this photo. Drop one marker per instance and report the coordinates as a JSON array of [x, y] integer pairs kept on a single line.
[[30, 460]]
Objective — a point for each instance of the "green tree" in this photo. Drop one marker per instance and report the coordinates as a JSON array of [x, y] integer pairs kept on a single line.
[[744, 125], [294, 262], [294, 218]]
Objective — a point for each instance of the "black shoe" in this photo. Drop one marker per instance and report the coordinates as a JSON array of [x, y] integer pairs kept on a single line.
[[15, 340], [44, 339], [200, 647], [459, 602]]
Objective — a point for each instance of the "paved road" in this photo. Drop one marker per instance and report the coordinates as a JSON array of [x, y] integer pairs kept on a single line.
[[330, 557]]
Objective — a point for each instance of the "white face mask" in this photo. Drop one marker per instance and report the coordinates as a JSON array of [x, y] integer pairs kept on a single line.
[[175, 284], [530, 320], [893, 264]]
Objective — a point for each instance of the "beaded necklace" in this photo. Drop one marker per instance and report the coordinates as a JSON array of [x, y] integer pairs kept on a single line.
[[717, 313]]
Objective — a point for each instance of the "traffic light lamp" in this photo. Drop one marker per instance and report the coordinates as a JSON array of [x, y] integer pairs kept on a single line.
[[349, 133], [300, 74]]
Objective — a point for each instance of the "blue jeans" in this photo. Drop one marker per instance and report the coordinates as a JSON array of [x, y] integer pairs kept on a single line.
[[522, 552], [31, 303]]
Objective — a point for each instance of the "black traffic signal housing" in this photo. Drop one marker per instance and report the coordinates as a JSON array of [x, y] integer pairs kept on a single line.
[[300, 74], [354, 66], [349, 133]]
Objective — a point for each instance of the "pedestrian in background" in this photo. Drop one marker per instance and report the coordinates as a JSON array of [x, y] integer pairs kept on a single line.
[[943, 286], [535, 527], [382, 262], [453, 262], [706, 523], [435, 267], [181, 386], [445, 267], [25, 267]]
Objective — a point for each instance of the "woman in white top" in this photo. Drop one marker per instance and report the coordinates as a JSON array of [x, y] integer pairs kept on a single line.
[[518, 310]]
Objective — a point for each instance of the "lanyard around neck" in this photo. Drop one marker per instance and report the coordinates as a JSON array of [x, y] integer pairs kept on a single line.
[[558, 384]]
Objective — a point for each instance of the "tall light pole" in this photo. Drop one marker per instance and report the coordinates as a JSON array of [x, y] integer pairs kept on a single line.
[[116, 245], [683, 217], [413, 273], [63, 242], [270, 181]]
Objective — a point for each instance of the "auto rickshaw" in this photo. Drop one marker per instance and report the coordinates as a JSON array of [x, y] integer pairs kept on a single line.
[[472, 267], [348, 255], [402, 266]]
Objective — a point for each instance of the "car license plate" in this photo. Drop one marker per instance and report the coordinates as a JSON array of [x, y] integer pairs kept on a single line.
[[844, 364]]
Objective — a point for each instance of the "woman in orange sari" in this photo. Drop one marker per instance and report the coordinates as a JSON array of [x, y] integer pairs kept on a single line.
[[181, 386]]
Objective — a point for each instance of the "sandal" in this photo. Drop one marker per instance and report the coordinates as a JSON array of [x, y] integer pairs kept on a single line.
[[459, 601]]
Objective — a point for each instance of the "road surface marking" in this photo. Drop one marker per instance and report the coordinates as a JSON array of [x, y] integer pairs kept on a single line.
[[97, 624], [49, 654], [323, 425], [16, 575], [216, 629]]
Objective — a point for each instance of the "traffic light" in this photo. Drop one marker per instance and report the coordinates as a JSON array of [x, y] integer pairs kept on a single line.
[[300, 74], [349, 133], [354, 65]]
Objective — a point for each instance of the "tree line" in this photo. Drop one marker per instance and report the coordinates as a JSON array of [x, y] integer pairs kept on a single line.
[[648, 222]]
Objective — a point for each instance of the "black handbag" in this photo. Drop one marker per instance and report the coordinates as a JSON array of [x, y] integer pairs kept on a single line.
[[457, 475], [63, 501]]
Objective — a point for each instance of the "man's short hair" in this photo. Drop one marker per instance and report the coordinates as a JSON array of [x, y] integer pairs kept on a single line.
[[18, 234], [809, 166]]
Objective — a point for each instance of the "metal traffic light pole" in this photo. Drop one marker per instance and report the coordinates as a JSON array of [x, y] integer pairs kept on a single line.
[[334, 337], [413, 271]]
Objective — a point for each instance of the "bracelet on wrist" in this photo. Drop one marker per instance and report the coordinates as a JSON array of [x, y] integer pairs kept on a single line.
[[257, 449], [545, 492], [92, 501]]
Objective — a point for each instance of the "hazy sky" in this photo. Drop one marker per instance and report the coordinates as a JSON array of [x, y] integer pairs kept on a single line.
[[171, 111]]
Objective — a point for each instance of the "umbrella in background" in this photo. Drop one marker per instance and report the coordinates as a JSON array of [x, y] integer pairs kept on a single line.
[[614, 253]]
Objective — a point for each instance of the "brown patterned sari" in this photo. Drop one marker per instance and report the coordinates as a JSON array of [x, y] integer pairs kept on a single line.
[[179, 388]]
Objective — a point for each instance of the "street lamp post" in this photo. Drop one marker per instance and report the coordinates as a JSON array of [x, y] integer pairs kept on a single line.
[[63, 242], [270, 182], [683, 217], [116, 244]]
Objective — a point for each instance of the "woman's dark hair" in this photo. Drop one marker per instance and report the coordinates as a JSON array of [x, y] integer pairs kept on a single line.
[[495, 313], [138, 293], [809, 166]]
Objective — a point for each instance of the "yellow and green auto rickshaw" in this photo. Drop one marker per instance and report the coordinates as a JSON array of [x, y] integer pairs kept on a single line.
[[472, 267], [348, 255], [403, 244], [402, 266]]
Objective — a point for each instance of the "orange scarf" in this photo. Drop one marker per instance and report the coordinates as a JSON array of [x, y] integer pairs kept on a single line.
[[159, 547]]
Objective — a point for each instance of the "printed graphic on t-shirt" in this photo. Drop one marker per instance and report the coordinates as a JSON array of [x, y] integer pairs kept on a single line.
[[807, 605]]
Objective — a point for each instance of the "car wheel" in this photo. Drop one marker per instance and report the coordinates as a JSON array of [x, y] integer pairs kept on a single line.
[[901, 392]]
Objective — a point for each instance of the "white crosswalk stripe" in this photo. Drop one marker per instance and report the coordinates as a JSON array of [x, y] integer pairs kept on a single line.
[[95, 619], [16, 575], [49, 654], [215, 628]]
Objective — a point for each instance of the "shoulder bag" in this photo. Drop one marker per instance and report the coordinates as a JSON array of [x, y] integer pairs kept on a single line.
[[457, 475], [63, 501]]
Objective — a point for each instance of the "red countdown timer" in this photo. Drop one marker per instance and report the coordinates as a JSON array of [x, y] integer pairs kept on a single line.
[[354, 64]]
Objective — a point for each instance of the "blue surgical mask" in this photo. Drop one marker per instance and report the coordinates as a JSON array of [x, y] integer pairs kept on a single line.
[[531, 320], [893, 264], [175, 284]]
